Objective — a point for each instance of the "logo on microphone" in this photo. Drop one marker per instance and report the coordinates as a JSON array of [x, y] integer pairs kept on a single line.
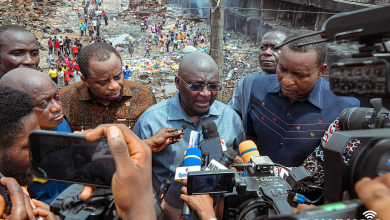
[[369, 214]]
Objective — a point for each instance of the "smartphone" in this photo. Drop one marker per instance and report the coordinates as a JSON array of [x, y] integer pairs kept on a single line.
[[69, 157], [210, 182]]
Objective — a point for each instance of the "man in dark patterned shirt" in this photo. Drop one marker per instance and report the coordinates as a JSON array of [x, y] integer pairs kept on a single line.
[[103, 96]]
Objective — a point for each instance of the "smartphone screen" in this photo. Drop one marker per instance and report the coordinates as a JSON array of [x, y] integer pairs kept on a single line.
[[71, 158], [209, 183]]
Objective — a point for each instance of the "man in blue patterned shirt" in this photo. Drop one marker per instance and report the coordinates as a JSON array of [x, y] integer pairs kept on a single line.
[[289, 112]]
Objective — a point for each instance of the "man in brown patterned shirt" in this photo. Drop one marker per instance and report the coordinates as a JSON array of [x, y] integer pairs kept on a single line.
[[103, 96]]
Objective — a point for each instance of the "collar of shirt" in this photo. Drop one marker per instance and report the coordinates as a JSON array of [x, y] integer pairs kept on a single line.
[[176, 111], [85, 95], [314, 97]]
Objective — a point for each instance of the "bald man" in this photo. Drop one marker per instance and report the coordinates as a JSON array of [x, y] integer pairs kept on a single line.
[[194, 104], [44, 92], [18, 48], [48, 110]]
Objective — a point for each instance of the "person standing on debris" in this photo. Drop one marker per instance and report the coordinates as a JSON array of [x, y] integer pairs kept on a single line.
[[67, 43], [103, 96], [58, 47], [175, 42], [61, 44], [98, 26], [50, 44], [60, 76], [54, 45], [147, 48], [268, 60], [156, 40], [131, 48], [150, 44], [184, 26], [181, 35], [142, 26], [194, 104], [85, 28], [49, 56], [198, 32], [81, 30], [94, 22], [53, 74], [90, 29], [75, 50], [167, 42], [105, 17], [146, 23], [126, 72]]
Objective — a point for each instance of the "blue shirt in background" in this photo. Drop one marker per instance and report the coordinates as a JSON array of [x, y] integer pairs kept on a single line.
[[242, 92], [126, 73], [288, 132], [171, 114]]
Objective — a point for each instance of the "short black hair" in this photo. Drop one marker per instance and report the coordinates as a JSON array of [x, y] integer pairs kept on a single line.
[[97, 51], [13, 28], [15, 105], [320, 48], [280, 30]]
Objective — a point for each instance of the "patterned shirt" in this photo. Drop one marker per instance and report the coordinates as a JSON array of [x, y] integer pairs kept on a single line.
[[288, 132], [83, 112]]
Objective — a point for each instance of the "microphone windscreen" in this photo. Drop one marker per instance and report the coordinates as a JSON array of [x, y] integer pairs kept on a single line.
[[230, 153], [248, 149], [209, 130], [184, 126], [193, 157]]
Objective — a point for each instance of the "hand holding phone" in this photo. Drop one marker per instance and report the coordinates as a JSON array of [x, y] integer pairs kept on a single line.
[[132, 181]]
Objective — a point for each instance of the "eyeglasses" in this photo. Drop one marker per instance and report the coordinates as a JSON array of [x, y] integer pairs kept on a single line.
[[200, 87]]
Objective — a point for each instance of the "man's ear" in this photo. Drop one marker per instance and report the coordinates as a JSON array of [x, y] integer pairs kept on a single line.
[[177, 82], [322, 70], [84, 80]]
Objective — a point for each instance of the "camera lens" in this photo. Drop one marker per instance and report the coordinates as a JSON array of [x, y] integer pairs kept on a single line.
[[356, 118]]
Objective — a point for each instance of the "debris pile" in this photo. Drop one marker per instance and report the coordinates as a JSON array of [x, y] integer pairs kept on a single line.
[[36, 16]]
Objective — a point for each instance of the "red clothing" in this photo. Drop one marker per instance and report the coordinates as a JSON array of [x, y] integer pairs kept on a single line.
[[67, 78], [50, 43], [75, 48], [58, 46]]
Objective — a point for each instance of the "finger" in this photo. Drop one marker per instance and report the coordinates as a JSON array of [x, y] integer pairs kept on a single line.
[[184, 198], [15, 194], [2, 205], [183, 190], [140, 153], [28, 207], [44, 213], [385, 179], [38, 203], [173, 134], [184, 182], [86, 193], [119, 149], [169, 130]]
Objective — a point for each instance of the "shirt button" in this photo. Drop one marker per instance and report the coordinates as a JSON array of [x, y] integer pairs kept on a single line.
[[289, 115], [281, 144]]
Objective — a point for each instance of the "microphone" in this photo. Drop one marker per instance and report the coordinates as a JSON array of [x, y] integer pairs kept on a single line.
[[247, 150], [228, 157], [206, 160], [191, 159], [211, 142], [183, 127]]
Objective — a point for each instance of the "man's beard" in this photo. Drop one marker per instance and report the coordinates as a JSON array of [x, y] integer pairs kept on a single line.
[[10, 169]]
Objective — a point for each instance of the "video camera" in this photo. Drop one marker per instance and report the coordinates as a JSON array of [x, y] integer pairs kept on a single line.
[[259, 195]]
